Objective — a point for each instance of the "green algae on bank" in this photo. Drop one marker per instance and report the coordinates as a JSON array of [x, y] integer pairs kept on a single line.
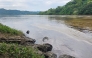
[[80, 24]]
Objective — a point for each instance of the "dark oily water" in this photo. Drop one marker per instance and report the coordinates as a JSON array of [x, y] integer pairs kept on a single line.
[[65, 40]]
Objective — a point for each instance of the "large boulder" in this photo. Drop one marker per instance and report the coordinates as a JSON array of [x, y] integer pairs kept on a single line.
[[66, 56], [45, 47], [50, 55]]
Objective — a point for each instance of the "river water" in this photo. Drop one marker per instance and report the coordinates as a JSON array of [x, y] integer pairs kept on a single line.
[[65, 40]]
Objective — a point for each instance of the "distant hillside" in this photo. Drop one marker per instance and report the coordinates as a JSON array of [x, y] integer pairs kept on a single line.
[[16, 12], [74, 7]]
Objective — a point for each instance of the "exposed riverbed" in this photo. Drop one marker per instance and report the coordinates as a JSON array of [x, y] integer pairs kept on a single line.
[[65, 40]]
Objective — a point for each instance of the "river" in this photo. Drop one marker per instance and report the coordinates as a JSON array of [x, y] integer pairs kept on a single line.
[[65, 40]]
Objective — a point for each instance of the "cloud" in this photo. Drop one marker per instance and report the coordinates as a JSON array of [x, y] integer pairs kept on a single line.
[[31, 5]]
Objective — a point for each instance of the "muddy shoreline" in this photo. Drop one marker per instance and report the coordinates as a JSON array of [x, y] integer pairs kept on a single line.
[[84, 30], [81, 24]]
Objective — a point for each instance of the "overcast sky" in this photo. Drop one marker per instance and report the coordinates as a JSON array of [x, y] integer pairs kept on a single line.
[[31, 5]]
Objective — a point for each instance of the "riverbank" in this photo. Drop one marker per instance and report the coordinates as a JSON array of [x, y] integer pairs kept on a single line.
[[14, 44], [11, 39]]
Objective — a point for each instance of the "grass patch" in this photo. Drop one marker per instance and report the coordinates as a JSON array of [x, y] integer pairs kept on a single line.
[[7, 30], [17, 51]]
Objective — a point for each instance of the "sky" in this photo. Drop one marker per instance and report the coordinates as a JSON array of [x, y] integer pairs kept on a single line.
[[31, 5]]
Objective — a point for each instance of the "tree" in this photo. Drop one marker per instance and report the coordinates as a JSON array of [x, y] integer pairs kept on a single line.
[[87, 10], [74, 7]]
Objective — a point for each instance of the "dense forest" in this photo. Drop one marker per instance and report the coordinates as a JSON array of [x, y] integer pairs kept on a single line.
[[74, 7], [16, 12]]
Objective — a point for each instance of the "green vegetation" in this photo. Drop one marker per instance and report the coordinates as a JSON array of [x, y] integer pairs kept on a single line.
[[74, 7], [17, 12], [7, 30], [18, 51], [11, 50]]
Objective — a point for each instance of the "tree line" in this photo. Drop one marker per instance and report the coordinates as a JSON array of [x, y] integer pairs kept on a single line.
[[74, 7]]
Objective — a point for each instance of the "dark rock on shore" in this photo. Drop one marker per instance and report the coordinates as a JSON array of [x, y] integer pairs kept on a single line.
[[45, 47], [66, 56], [27, 41]]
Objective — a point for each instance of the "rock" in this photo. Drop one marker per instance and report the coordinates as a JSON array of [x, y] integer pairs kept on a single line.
[[50, 55], [28, 32], [12, 39], [28, 41], [18, 39], [45, 47], [66, 56], [32, 41], [45, 38]]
